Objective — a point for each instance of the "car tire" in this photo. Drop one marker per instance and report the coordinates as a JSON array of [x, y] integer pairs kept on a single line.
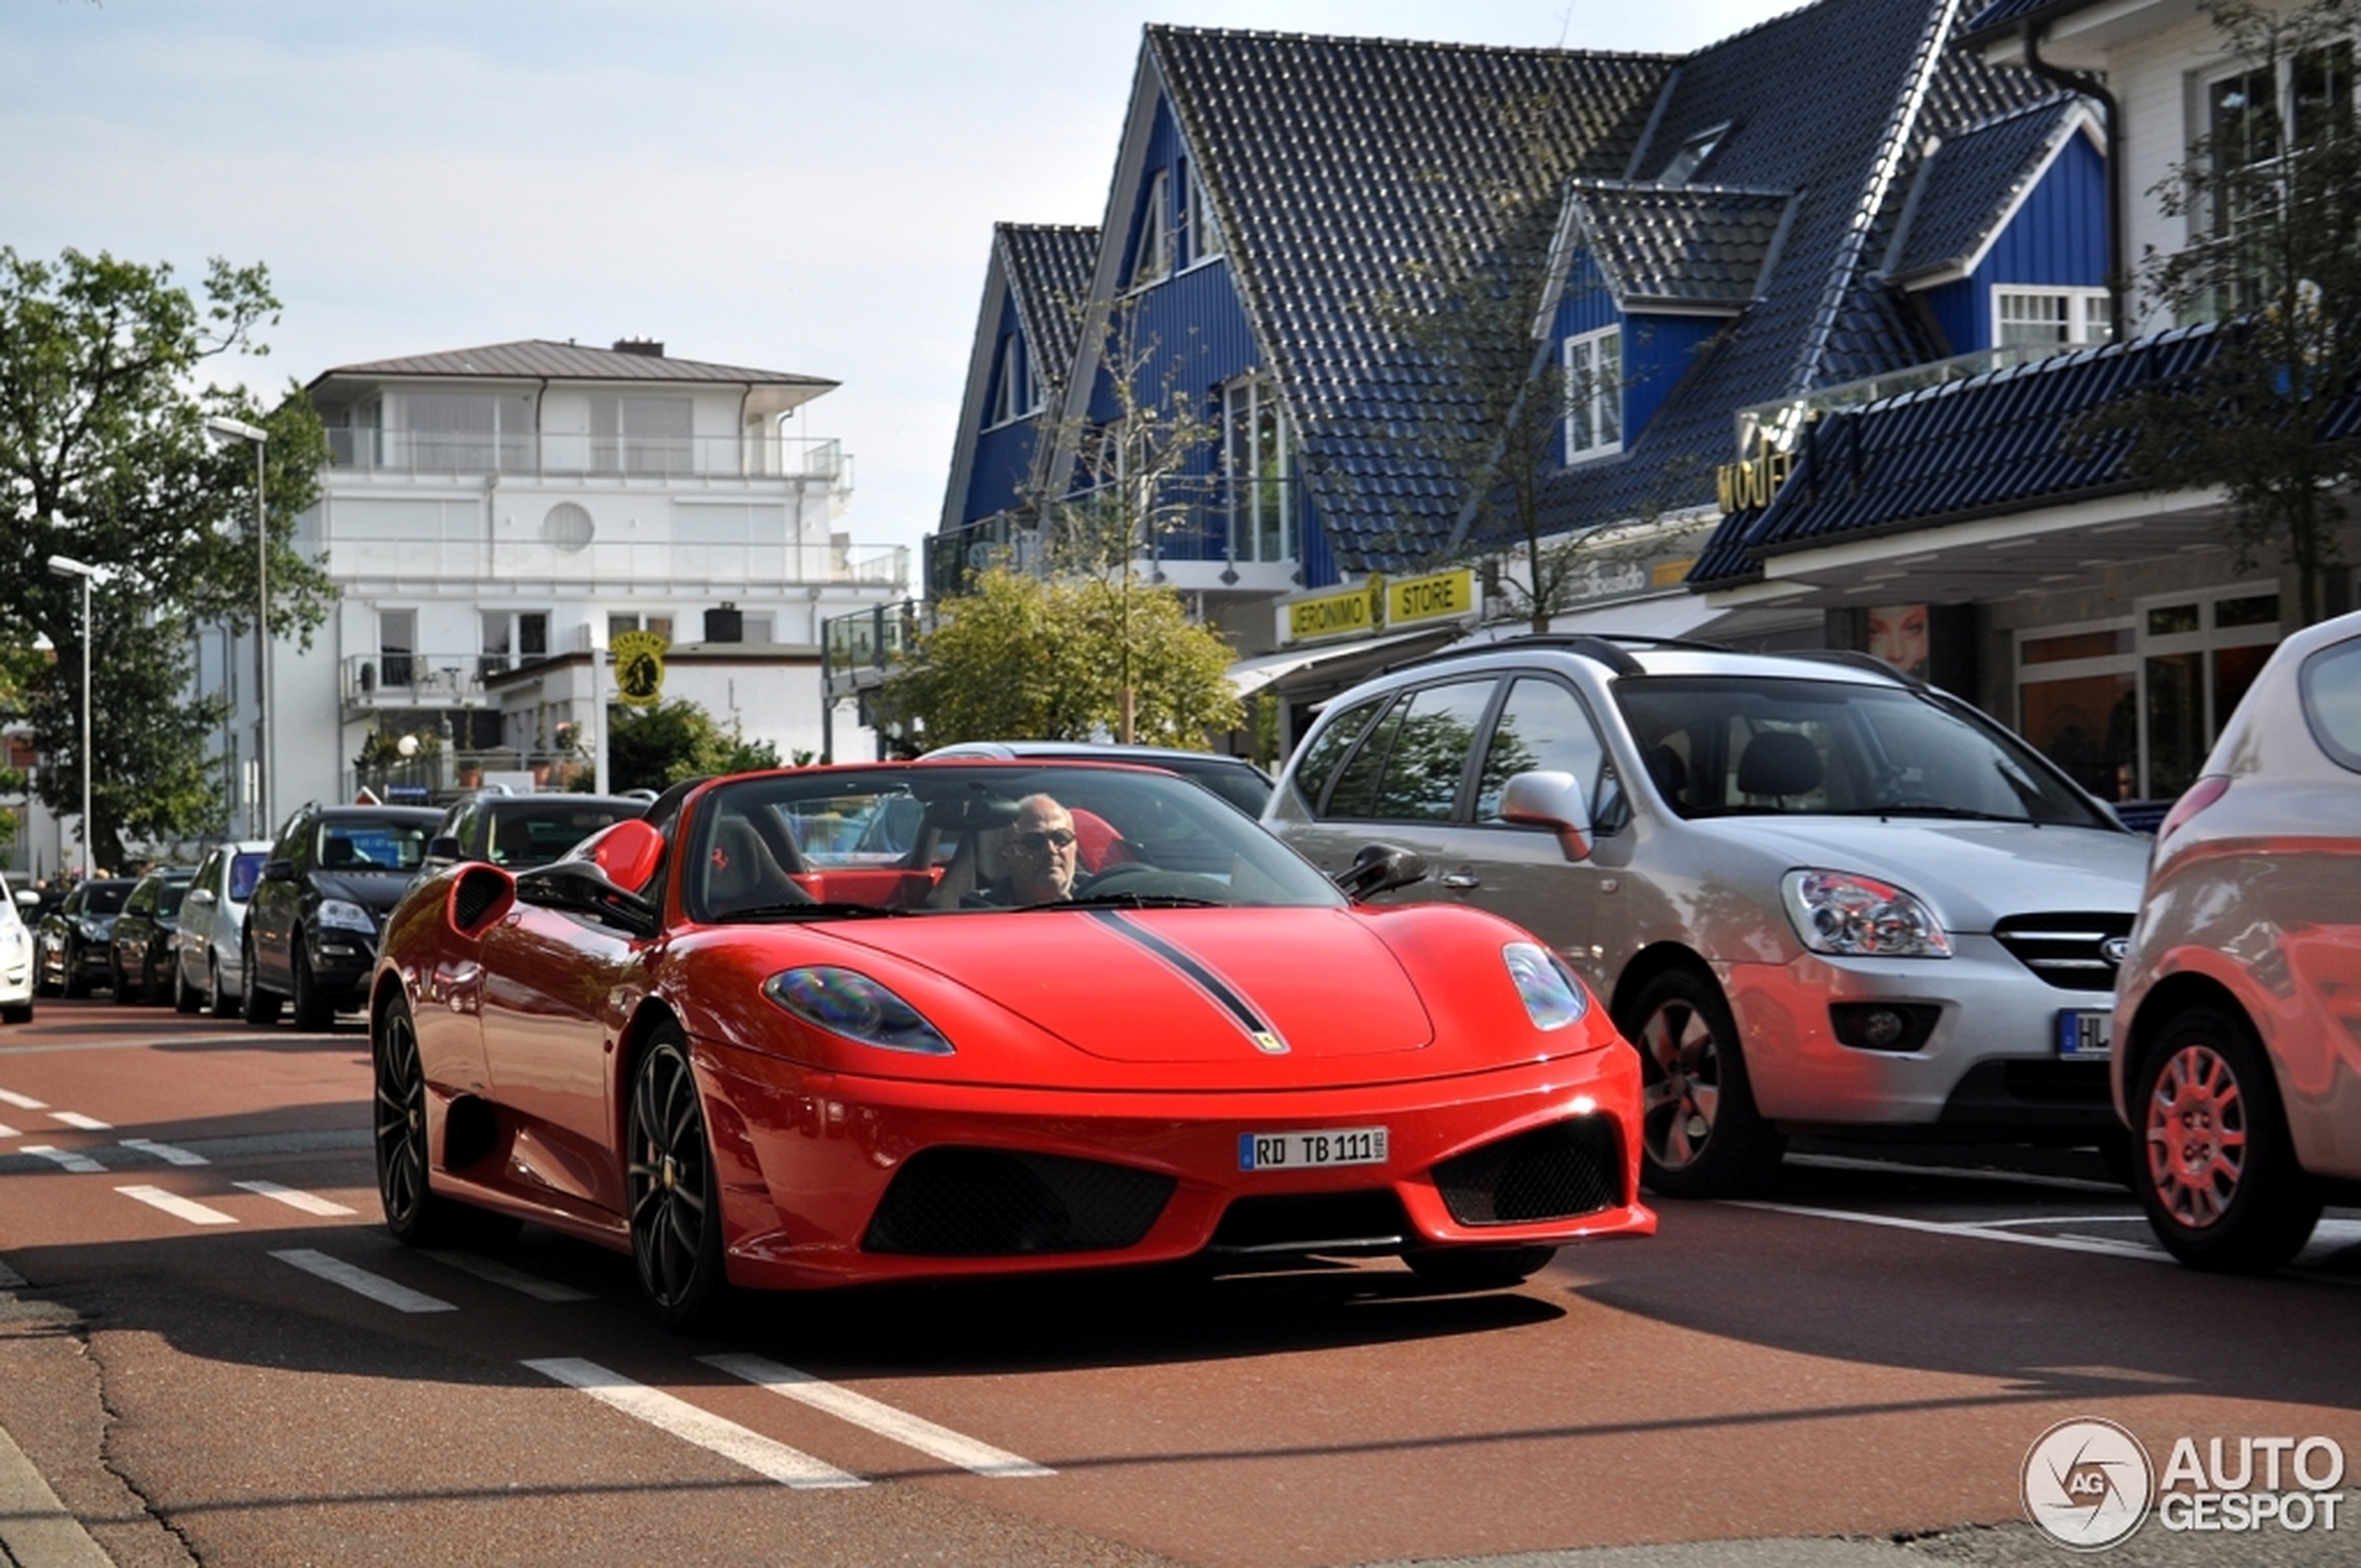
[[413, 1211], [256, 1006], [120, 987], [1479, 1267], [310, 1009], [74, 983], [42, 984], [217, 1001], [1700, 1135], [20, 1013], [2217, 1170], [186, 998], [672, 1192]]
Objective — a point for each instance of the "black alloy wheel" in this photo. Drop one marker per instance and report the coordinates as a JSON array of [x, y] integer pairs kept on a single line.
[[413, 1213], [311, 1010], [256, 1006], [1479, 1267], [2217, 1171], [1700, 1136], [673, 1194]]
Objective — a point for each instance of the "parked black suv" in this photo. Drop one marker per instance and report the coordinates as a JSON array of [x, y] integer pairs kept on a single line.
[[312, 926], [74, 948], [519, 831], [145, 944]]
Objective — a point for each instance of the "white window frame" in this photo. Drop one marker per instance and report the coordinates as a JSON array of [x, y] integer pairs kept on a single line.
[[1011, 379], [2204, 222], [1203, 229], [1593, 424], [2086, 311], [1244, 402], [1153, 262]]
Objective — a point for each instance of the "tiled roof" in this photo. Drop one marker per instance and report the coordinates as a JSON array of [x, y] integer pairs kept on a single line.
[[536, 358], [1983, 25], [1049, 270], [1997, 442], [1346, 172], [1687, 245], [1833, 101], [1963, 193]]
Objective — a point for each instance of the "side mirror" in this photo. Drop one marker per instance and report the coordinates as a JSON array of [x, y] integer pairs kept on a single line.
[[1553, 800], [443, 846], [582, 887], [1380, 868], [26, 898], [627, 852], [278, 871]]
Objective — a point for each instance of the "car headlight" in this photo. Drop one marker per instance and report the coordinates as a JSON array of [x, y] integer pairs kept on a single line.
[[91, 931], [1553, 998], [1861, 917], [849, 1003], [343, 914]]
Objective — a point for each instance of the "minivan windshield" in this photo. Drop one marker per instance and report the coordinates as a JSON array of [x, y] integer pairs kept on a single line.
[[1728, 746]]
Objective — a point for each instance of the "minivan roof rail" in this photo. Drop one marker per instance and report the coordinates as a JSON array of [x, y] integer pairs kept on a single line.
[[1605, 647], [1854, 658]]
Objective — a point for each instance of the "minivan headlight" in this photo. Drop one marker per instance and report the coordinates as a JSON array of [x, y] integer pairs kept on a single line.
[[1552, 998], [343, 914], [1857, 917]]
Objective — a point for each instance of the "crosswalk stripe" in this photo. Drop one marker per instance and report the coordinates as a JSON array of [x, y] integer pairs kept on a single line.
[[376, 1287], [169, 1154], [77, 1120], [294, 1198], [178, 1206], [739, 1444], [22, 1102], [81, 1163], [911, 1432], [514, 1279], [8, 1131]]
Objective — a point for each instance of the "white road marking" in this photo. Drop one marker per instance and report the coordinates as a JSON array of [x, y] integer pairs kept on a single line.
[[169, 1154], [360, 1282], [2068, 1220], [22, 1102], [178, 1206], [1959, 1173], [911, 1432], [739, 1444], [514, 1279], [8, 1131], [1972, 1232], [293, 1198], [82, 1164], [76, 1119]]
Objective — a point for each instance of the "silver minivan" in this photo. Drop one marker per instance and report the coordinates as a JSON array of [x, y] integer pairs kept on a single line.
[[207, 970], [1819, 897]]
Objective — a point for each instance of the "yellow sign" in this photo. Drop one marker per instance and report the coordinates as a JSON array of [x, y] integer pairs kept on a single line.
[[1333, 614], [1748, 486], [1429, 598], [638, 667]]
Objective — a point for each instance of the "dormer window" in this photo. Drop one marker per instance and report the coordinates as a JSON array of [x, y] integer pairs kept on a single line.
[[1205, 234], [1011, 392], [1153, 258], [1694, 152], [1594, 394]]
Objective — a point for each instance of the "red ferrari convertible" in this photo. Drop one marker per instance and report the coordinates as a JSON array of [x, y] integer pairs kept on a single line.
[[841, 1025]]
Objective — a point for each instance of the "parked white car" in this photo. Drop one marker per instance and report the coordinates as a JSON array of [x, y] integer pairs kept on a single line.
[[2238, 1009], [209, 972], [16, 959]]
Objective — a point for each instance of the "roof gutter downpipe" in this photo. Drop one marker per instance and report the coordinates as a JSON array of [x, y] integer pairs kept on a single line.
[[2090, 84]]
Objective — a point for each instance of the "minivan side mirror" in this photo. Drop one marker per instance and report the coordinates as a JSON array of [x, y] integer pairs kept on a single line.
[[444, 847], [1550, 799], [26, 898], [1380, 868]]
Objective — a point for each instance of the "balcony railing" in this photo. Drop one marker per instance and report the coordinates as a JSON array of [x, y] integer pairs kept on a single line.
[[1201, 518], [360, 553], [483, 452], [1778, 422], [418, 680]]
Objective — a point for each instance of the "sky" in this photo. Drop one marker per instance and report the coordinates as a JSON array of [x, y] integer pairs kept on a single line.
[[793, 187]]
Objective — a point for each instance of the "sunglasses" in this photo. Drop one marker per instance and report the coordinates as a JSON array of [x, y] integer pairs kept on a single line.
[[1045, 838]]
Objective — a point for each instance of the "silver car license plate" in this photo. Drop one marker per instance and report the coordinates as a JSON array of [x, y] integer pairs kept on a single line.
[[1311, 1150], [2086, 1034]]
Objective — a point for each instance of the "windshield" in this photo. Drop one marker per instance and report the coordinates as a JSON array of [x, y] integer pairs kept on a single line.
[[932, 840], [1726, 745], [359, 844], [105, 898], [544, 833], [168, 896]]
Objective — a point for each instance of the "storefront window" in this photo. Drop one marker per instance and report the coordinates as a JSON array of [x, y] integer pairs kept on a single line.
[[2087, 725]]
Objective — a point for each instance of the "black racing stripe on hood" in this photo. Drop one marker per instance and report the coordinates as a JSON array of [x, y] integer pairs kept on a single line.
[[1258, 1029]]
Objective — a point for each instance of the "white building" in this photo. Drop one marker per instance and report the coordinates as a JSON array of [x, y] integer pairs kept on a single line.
[[491, 516]]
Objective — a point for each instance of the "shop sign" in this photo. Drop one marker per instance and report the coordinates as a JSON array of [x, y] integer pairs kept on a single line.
[[1433, 598], [1335, 615], [1748, 485]]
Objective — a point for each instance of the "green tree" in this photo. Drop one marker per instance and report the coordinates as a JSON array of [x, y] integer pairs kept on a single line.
[[104, 457], [656, 746], [2274, 188], [1022, 658]]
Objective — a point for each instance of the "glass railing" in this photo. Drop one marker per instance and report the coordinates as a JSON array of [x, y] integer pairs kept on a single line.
[[1778, 422], [1194, 520], [872, 639], [482, 452], [748, 567]]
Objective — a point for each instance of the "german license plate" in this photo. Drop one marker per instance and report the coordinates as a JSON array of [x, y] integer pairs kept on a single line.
[[1312, 1151], [2086, 1034]]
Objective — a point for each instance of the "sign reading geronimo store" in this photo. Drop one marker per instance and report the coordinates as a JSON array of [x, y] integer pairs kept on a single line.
[[1335, 615], [1436, 597]]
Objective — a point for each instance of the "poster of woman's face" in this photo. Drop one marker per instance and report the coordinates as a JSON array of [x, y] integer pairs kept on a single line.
[[1898, 635]]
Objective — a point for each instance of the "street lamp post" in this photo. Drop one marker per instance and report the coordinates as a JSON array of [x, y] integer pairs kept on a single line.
[[66, 566], [238, 430]]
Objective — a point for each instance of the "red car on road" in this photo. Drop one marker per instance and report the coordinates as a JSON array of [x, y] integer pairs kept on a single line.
[[801, 1029]]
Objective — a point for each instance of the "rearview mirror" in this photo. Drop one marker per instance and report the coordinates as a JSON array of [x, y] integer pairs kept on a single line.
[[1550, 799], [1380, 868]]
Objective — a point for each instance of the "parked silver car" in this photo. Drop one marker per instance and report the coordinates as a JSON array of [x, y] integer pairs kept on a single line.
[[2239, 1008], [1818, 896], [207, 970]]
